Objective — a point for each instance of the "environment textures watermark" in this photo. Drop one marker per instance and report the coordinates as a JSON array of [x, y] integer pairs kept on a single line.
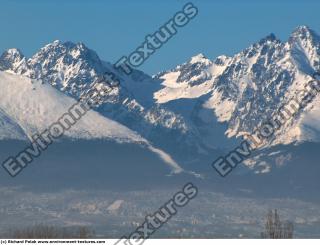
[[224, 165], [105, 84], [155, 221]]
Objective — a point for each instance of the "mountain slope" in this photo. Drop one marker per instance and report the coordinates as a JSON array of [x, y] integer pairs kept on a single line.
[[35, 106], [30, 106], [9, 129]]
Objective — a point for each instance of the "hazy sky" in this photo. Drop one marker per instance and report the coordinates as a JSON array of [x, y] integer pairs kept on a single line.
[[116, 28]]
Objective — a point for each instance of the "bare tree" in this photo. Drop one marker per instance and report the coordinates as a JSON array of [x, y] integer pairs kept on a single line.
[[275, 228]]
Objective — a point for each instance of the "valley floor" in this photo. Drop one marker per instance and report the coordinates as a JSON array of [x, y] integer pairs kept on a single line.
[[114, 214]]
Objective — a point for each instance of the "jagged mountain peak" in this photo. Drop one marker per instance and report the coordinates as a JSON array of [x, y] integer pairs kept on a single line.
[[192, 72], [14, 52], [269, 38], [261, 47], [67, 44], [304, 34], [66, 65], [200, 58], [304, 46], [222, 60], [59, 49], [303, 30], [11, 59]]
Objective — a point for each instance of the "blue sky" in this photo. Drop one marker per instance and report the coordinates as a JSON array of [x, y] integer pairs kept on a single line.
[[116, 28]]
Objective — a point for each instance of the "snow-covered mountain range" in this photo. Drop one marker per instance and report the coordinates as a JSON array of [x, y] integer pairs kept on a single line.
[[193, 110], [245, 90]]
